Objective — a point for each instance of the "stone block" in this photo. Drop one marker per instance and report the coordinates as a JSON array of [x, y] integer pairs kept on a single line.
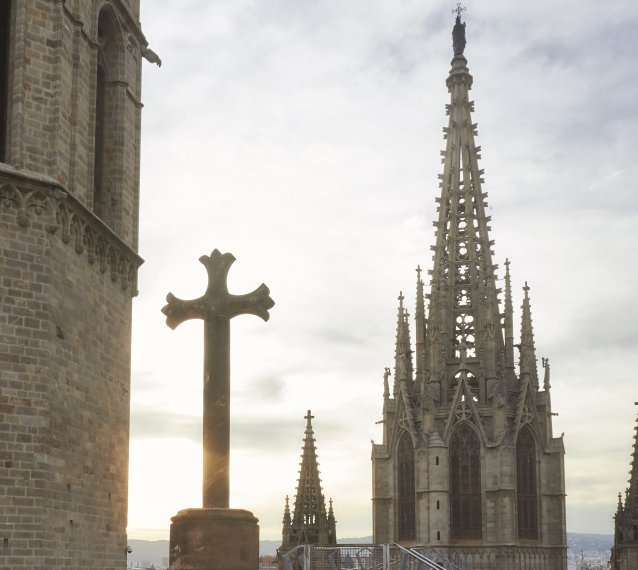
[[214, 539]]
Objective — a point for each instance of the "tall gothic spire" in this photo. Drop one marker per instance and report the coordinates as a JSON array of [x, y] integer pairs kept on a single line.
[[467, 421], [309, 503], [310, 523], [463, 313]]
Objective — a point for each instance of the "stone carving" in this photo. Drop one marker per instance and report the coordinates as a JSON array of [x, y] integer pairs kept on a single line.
[[216, 307], [74, 223]]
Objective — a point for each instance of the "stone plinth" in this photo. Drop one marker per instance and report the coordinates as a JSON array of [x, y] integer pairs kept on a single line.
[[214, 539]]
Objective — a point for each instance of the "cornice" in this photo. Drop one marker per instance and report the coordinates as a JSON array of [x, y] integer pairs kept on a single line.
[[34, 196]]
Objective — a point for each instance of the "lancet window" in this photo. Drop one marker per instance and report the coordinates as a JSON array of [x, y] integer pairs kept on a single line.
[[107, 110], [526, 491], [406, 491], [465, 484]]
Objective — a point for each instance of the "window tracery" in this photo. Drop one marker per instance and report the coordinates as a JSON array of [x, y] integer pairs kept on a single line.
[[526, 492], [465, 484], [406, 490]]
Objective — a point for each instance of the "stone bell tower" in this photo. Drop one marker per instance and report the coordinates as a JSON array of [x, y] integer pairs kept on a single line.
[[468, 464], [70, 76]]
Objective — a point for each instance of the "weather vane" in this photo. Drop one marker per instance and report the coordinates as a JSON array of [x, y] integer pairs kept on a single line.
[[458, 9]]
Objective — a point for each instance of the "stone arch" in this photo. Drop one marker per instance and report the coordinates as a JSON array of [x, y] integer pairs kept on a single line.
[[526, 485], [466, 514], [406, 527]]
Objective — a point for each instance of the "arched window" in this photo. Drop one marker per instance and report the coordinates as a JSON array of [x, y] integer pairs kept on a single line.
[[5, 48], [107, 109], [465, 484], [526, 493], [405, 480]]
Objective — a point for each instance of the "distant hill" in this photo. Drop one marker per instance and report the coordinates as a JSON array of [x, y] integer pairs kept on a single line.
[[578, 542], [147, 552]]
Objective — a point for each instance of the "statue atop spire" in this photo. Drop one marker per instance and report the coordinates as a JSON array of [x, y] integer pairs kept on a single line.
[[458, 32]]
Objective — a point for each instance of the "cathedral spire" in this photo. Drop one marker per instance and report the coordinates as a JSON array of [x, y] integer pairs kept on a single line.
[[309, 502], [464, 309], [527, 348], [310, 523]]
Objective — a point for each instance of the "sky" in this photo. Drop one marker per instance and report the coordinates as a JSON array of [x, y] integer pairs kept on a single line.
[[303, 136]]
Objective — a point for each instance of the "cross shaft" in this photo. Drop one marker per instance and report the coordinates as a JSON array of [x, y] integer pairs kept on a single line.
[[216, 307]]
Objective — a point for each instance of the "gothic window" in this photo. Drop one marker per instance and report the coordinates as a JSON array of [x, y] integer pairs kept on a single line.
[[106, 116], [405, 479], [465, 484], [5, 47], [526, 493]]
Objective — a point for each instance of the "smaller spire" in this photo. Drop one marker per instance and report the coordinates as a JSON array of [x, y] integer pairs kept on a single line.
[[400, 348], [508, 323], [528, 351], [287, 513], [420, 330]]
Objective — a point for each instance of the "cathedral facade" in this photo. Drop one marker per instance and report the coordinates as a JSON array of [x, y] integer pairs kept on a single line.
[[70, 110], [469, 466]]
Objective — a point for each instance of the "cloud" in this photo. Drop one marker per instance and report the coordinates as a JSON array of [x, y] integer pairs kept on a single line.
[[304, 137]]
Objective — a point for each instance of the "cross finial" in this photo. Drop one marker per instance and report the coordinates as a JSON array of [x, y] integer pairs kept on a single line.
[[309, 417], [401, 297], [458, 10]]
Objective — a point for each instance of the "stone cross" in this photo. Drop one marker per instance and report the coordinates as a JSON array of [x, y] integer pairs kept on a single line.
[[216, 307]]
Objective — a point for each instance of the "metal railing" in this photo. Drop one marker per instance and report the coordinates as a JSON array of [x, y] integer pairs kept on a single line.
[[363, 557]]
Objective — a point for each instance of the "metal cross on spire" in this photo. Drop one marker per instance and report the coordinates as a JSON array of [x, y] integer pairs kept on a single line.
[[458, 9]]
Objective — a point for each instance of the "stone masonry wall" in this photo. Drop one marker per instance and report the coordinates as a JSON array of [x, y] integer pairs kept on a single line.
[[65, 326], [66, 282]]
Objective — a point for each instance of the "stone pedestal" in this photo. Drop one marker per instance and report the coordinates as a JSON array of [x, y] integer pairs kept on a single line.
[[214, 539]]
